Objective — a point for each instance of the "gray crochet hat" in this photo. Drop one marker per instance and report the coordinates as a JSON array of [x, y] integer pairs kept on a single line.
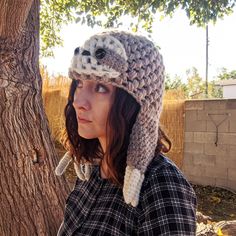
[[133, 63]]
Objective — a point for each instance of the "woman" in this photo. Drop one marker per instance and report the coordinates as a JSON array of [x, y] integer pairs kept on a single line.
[[126, 186]]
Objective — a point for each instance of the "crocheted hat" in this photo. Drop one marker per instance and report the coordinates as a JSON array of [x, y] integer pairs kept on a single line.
[[133, 63]]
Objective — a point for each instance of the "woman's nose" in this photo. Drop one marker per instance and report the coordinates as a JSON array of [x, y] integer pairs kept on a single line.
[[81, 100]]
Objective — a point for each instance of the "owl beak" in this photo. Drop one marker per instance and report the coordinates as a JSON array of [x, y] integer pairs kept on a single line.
[[86, 53]]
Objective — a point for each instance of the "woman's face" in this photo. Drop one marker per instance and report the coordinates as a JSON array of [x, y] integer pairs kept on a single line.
[[92, 103]]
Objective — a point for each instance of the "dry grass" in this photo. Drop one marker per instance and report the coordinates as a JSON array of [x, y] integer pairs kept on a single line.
[[172, 120], [55, 92]]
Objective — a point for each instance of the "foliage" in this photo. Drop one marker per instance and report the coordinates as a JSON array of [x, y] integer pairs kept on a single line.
[[174, 88], [225, 74], [109, 13], [194, 88], [172, 83], [214, 90], [53, 14], [195, 84]]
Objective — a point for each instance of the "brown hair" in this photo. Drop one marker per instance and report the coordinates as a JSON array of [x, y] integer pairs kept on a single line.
[[120, 121]]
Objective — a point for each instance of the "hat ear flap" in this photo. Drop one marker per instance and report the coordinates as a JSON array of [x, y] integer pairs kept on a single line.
[[141, 151], [132, 185], [83, 171], [63, 164]]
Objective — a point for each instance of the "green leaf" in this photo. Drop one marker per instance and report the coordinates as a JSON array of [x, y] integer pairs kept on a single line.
[[77, 20], [108, 13]]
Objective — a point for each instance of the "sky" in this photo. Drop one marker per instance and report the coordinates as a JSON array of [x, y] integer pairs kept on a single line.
[[182, 45]]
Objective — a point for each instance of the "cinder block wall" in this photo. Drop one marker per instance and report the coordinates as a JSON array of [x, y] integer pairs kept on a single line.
[[208, 159]]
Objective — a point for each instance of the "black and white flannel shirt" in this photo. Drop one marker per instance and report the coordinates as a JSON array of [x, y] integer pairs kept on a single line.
[[167, 205]]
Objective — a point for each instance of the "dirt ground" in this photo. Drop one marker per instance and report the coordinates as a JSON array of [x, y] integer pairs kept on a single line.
[[219, 204]]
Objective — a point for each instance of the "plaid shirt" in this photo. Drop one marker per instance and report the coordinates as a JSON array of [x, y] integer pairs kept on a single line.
[[167, 205]]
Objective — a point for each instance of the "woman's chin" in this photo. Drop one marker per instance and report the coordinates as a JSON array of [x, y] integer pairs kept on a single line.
[[86, 136]]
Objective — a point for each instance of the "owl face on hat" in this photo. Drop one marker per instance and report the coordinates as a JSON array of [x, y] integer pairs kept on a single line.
[[124, 60], [101, 55]]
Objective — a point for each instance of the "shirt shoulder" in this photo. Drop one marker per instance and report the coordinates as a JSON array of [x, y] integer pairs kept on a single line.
[[167, 201], [166, 181], [162, 169]]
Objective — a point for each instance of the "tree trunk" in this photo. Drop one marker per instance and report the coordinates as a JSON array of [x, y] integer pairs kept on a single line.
[[32, 198]]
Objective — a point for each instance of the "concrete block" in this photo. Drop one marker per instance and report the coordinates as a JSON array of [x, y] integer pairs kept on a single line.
[[185, 169], [212, 149], [232, 173], [188, 176], [202, 115], [203, 180], [197, 148], [215, 105], [194, 170], [204, 160], [217, 172], [210, 137], [231, 104], [197, 159], [199, 137], [223, 183], [226, 160], [232, 151], [232, 184], [223, 127], [204, 137], [188, 137], [197, 126], [222, 161], [190, 115], [194, 105], [231, 113], [231, 120], [231, 161], [232, 126], [227, 138], [188, 159]]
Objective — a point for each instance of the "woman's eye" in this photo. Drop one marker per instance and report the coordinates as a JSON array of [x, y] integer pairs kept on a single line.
[[101, 88]]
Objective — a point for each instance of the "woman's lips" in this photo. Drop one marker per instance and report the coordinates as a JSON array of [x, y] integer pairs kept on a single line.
[[83, 121]]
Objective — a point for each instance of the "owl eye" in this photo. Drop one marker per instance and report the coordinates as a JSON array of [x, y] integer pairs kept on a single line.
[[100, 53]]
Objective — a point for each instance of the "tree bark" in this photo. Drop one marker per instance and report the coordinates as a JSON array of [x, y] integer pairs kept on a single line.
[[13, 13], [32, 198]]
